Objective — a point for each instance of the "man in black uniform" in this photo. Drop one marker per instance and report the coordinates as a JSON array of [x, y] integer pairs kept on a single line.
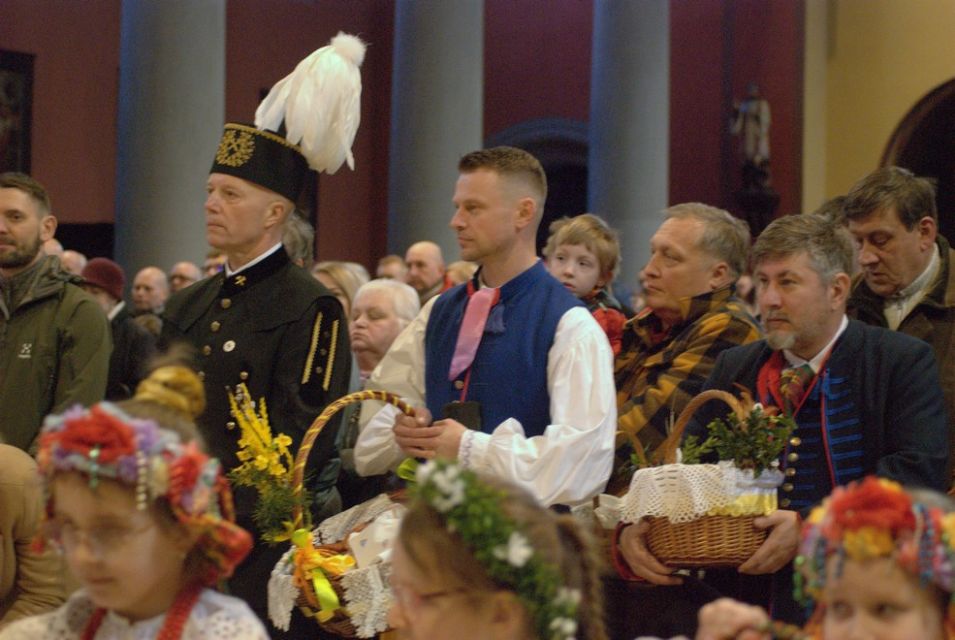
[[264, 322]]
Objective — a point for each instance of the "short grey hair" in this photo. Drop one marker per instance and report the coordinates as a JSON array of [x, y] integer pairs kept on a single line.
[[828, 244], [298, 237], [403, 297], [725, 237]]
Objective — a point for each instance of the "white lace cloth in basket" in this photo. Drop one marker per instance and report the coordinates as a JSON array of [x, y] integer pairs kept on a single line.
[[684, 492], [215, 616], [335, 529], [368, 598], [367, 594]]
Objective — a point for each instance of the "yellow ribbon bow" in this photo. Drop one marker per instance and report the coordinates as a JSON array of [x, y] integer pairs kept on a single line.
[[315, 566]]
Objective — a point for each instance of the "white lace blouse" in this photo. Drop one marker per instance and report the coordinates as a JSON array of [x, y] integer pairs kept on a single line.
[[215, 616]]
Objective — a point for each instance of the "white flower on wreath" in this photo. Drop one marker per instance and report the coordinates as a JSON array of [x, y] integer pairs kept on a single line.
[[517, 551], [563, 627], [424, 471], [567, 597], [449, 482]]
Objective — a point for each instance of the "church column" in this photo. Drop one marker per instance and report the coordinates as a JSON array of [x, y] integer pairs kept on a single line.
[[171, 110], [437, 106], [629, 123]]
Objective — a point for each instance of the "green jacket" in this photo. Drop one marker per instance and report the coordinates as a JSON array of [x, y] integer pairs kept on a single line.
[[54, 349]]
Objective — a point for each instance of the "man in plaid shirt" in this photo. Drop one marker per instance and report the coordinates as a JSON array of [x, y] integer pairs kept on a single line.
[[692, 314]]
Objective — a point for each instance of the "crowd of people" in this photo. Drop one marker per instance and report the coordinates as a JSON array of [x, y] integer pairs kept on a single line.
[[532, 387], [524, 373]]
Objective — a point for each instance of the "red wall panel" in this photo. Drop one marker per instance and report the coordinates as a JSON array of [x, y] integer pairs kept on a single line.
[[76, 76]]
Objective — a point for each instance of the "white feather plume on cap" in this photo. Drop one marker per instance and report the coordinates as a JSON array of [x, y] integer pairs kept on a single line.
[[320, 104]]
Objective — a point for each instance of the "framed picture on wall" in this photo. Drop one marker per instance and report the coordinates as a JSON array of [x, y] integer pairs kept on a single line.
[[16, 107]]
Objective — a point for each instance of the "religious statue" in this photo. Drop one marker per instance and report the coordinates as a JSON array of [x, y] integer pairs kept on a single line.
[[751, 120]]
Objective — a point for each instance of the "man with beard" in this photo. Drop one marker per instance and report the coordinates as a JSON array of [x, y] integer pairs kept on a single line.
[[55, 343], [865, 400]]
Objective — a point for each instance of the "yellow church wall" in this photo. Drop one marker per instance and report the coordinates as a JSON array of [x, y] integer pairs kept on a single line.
[[878, 58]]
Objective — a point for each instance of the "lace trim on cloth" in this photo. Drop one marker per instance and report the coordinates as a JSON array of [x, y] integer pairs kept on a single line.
[[282, 592], [368, 597], [685, 492], [214, 617]]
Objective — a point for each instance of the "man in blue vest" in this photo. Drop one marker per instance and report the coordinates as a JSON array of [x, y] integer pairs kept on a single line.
[[511, 374], [870, 402]]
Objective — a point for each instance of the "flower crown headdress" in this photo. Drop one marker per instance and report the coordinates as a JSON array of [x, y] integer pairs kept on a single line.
[[877, 518], [105, 442], [472, 510]]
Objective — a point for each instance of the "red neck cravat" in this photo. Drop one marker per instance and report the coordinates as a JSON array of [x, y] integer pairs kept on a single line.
[[472, 328]]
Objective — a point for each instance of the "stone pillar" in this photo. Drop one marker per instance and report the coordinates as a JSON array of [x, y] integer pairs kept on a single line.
[[629, 160], [171, 111], [437, 106]]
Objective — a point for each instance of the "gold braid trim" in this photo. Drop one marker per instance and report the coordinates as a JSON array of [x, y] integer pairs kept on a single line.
[[265, 134], [331, 356], [316, 329]]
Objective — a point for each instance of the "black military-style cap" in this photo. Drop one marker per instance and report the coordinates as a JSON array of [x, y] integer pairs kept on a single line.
[[261, 157]]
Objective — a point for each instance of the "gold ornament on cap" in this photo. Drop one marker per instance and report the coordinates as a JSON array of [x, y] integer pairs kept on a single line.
[[235, 148]]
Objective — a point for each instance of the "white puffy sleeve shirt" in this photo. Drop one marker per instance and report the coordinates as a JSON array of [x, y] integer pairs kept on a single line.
[[569, 464]]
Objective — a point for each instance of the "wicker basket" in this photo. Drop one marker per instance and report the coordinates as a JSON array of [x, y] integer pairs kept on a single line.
[[340, 624], [708, 541]]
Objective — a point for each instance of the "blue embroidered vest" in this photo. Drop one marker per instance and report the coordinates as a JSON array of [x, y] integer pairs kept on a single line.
[[509, 374], [827, 442]]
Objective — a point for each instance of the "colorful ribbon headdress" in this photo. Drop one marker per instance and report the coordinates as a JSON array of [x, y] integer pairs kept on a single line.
[[103, 442], [877, 518]]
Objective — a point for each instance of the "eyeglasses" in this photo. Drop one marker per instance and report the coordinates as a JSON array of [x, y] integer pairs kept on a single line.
[[410, 600], [99, 540]]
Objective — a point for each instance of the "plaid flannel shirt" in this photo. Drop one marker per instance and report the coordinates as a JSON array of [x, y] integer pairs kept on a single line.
[[659, 370]]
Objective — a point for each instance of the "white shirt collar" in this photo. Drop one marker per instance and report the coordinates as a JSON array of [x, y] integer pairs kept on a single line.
[[115, 310], [816, 361], [229, 272], [924, 280]]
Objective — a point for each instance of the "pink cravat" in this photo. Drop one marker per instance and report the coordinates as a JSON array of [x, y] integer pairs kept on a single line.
[[472, 328]]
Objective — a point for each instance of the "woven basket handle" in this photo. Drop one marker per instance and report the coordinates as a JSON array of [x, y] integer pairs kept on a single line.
[[298, 472], [668, 448]]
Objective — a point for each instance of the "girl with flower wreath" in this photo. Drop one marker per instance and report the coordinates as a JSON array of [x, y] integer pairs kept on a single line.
[[144, 519], [479, 558], [876, 562]]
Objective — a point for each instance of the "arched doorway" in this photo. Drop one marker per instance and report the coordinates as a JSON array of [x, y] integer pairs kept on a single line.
[[561, 147], [924, 143]]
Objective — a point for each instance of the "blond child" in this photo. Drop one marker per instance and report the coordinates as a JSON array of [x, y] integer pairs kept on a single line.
[[583, 253], [144, 521], [478, 558], [877, 561]]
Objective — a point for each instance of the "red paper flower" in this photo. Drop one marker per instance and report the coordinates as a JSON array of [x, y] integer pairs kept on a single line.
[[184, 490], [872, 503], [611, 321], [112, 436]]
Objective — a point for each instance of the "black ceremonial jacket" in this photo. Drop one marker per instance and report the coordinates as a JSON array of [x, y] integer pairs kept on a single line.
[[278, 330]]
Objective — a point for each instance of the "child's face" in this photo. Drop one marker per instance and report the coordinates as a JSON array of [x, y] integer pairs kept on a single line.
[[425, 609], [576, 267], [125, 559], [877, 600]]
